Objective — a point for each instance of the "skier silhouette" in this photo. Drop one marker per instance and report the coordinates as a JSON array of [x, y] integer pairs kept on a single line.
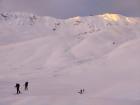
[[26, 85], [17, 86], [81, 91]]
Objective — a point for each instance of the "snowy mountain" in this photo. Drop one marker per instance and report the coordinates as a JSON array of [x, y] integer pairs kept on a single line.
[[59, 57]]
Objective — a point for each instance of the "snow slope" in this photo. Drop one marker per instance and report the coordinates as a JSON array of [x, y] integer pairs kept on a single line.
[[59, 57]]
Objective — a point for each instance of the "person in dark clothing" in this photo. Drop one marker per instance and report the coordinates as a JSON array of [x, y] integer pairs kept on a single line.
[[18, 88], [81, 91], [26, 85]]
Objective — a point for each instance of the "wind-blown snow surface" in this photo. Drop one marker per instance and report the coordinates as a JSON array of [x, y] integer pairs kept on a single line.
[[59, 57]]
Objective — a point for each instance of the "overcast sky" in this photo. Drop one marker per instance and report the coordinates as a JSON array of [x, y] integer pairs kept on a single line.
[[71, 8]]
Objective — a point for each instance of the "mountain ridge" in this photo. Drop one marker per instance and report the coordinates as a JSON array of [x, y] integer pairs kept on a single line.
[[23, 15], [24, 26]]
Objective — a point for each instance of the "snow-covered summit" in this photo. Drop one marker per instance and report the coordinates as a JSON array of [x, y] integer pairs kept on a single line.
[[30, 18], [17, 27], [109, 17]]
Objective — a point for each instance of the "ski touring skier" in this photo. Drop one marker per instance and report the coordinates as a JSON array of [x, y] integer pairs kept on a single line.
[[26, 85], [17, 86]]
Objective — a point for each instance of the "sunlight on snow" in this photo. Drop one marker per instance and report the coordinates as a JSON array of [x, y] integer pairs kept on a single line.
[[76, 18], [116, 18], [129, 20], [111, 17]]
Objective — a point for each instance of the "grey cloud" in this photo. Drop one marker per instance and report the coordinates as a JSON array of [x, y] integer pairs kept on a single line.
[[70, 8], [127, 7]]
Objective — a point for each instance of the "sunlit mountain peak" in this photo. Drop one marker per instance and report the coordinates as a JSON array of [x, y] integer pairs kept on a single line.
[[111, 17]]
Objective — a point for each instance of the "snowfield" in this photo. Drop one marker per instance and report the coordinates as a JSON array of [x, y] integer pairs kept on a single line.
[[59, 57]]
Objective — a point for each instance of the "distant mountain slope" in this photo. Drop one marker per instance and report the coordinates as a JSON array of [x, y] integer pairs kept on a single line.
[[77, 38]]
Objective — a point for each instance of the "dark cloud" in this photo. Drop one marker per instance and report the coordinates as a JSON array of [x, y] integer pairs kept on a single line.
[[70, 8]]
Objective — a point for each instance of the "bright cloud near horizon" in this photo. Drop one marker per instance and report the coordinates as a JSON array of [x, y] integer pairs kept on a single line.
[[71, 8]]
